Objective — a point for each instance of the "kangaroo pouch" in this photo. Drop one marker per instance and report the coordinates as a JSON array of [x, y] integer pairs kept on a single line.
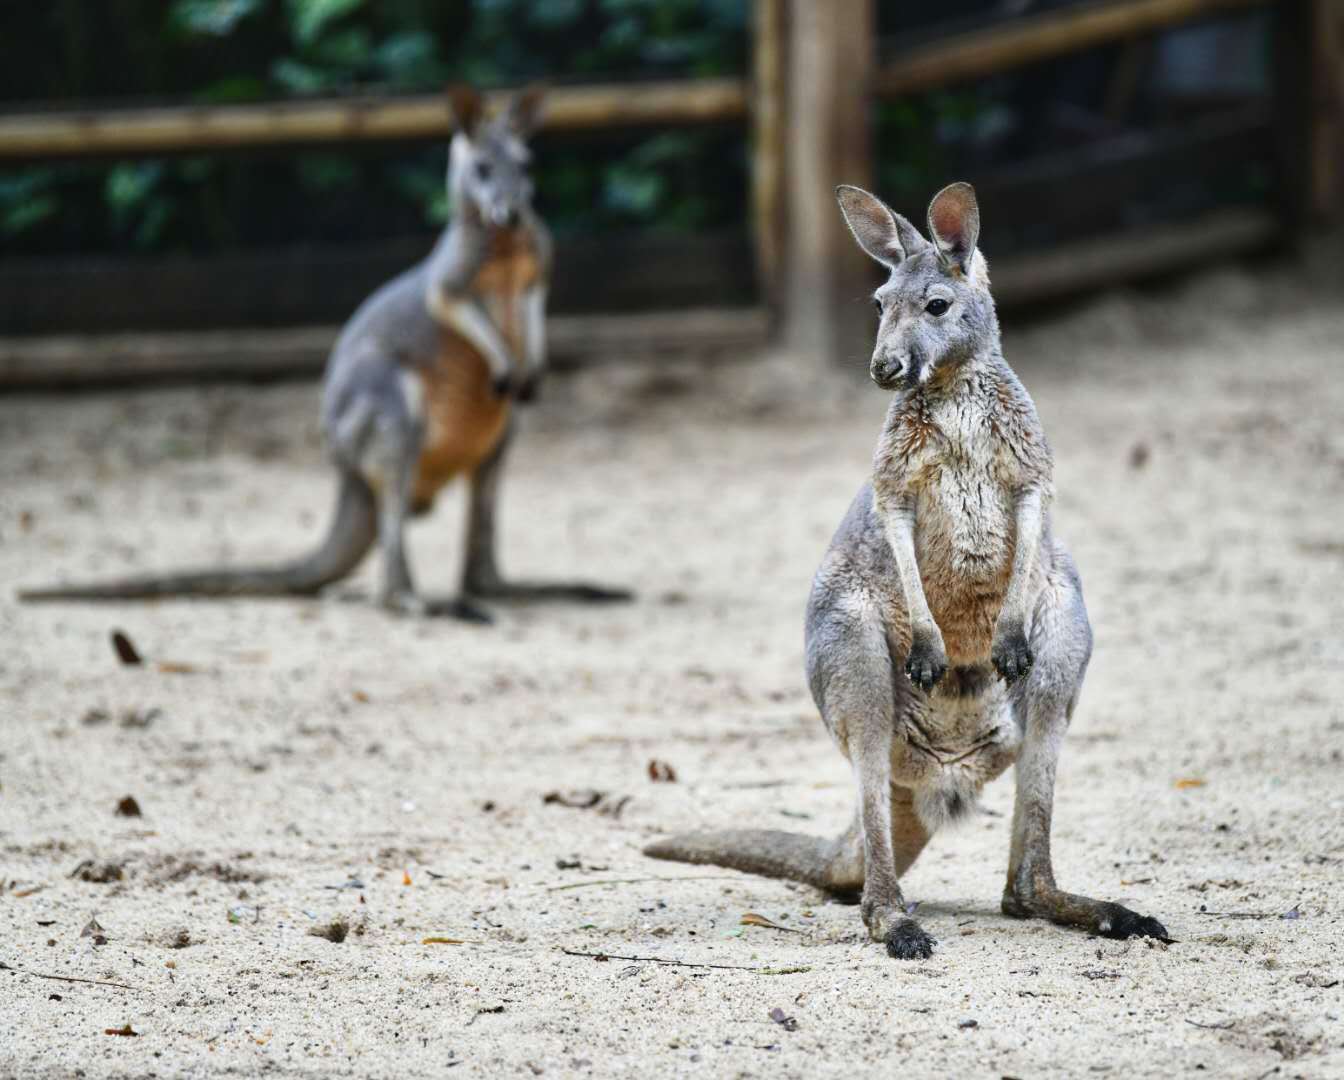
[[465, 418]]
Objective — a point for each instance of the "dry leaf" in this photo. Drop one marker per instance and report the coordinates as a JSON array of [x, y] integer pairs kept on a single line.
[[589, 799], [661, 772], [406, 877], [360, 696], [334, 931], [751, 918], [177, 667], [579, 800], [128, 807], [1189, 782], [125, 1029], [126, 652]]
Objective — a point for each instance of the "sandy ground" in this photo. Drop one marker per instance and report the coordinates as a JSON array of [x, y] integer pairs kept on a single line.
[[322, 760]]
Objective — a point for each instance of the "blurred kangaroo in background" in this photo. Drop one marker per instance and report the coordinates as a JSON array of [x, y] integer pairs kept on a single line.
[[419, 388], [946, 634]]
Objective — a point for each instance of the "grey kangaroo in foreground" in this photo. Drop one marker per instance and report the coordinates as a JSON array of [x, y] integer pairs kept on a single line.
[[419, 389], [946, 634]]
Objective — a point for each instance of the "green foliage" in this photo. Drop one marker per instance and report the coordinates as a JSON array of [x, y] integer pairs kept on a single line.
[[308, 18], [26, 200], [217, 17], [223, 51]]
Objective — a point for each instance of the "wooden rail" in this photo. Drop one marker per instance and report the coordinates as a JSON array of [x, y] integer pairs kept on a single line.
[[1020, 284], [814, 71], [189, 128], [1033, 38], [194, 128]]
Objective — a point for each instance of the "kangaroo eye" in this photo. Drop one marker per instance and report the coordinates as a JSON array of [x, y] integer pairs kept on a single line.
[[483, 170], [877, 304], [937, 306]]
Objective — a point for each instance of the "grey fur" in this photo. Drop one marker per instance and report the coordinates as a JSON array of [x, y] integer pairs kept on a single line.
[[946, 636], [374, 410]]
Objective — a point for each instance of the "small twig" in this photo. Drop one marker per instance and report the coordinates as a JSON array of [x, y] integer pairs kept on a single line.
[[641, 880], [65, 978], [489, 1010], [1222, 1026], [661, 960], [1241, 914]]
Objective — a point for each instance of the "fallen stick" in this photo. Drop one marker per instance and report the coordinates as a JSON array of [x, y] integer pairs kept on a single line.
[[661, 960], [641, 880], [66, 978]]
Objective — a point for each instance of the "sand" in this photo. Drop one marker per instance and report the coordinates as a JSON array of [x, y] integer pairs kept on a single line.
[[299, 762]]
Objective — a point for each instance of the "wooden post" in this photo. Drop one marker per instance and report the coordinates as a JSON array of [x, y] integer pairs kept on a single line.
[[768, 172], [831, 59], [1294, 100], [1328, 138]]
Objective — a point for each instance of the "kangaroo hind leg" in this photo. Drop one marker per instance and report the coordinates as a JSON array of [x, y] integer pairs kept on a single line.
[[1061, 642], [854, 677], [382, 431], [481, 577]]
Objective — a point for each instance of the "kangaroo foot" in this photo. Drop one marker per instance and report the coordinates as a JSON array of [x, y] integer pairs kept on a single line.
[[1098, 916], [576, 592], [904, 938], [907, 940], [407, 603]]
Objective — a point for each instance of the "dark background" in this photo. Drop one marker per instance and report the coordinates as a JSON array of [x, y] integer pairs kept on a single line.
[[1155, 130]]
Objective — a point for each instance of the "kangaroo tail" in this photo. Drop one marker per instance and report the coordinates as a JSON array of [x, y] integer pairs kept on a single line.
[[349, 537], [825, 864]]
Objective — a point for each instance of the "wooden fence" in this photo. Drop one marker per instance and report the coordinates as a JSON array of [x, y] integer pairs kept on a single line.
[[815, 72]]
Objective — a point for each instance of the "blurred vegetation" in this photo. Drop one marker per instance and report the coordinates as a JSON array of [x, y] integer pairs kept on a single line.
[[215, 51]]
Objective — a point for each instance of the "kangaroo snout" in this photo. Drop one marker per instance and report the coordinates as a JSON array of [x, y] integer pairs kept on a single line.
[[889, 369], [886, 371]]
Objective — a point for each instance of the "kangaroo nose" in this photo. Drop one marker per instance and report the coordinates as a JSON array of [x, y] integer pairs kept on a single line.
[[886, 371]]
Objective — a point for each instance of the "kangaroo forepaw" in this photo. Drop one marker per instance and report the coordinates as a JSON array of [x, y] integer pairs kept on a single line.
[[926, 664], [528, 390], [907, 940], [1120, 922], [506, 385], [1012, 655]]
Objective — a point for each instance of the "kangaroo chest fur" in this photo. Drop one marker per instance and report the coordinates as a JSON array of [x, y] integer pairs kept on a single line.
[[464, 418], [958, 454]]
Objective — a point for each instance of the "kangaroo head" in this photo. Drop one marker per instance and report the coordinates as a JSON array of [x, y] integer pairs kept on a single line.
[[488, 158], [935, 307]]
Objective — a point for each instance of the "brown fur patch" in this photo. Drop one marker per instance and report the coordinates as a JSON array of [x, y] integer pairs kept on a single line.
[[915, 430], [464, 418]]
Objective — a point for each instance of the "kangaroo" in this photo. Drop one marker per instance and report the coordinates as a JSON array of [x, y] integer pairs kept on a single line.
[[418, 390], [946, 636]]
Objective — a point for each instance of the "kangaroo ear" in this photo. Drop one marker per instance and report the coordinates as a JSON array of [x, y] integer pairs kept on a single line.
[[525, 110], [954, 224], [468, 109], [873, 224]]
